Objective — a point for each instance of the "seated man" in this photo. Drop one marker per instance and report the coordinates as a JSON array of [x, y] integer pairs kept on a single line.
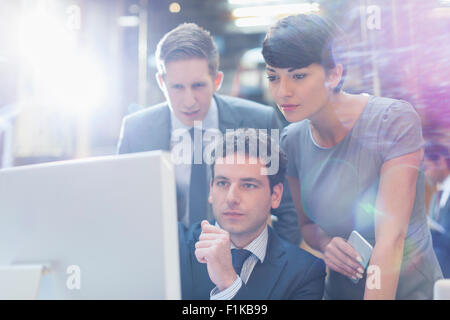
[[239, 256]]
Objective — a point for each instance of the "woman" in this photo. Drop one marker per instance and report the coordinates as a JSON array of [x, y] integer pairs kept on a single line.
[[353, 164]]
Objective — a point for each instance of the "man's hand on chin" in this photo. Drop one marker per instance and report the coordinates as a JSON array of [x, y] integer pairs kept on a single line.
[[213, 248]]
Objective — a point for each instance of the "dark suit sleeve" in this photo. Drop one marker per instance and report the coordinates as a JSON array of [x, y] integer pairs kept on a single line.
[[307, 285], [185, 262], [312, 286], [287, 222], [275, 121]]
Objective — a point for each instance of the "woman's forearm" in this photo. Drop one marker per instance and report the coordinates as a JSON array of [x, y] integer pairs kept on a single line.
[[384, 270], [394, 206], [315, 237]]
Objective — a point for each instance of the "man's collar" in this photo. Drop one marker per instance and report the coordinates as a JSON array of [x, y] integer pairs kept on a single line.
[[211, 120], [258, 246]]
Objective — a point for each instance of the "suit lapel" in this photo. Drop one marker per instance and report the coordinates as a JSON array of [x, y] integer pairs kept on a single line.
[[265, 275], [228, 117], [159, 138]]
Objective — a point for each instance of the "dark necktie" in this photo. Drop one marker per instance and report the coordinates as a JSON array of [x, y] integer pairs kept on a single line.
[[198, 189], [238, 257]]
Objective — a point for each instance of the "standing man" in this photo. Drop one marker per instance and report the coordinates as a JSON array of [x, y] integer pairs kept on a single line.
[[188, 75], [238, 256], [437, 169]]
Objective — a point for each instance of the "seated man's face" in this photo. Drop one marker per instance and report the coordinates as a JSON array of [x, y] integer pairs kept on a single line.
[[189, 87], [241, 198]]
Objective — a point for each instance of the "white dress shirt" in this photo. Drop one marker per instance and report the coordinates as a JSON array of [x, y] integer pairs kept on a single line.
[[258, 248], [434, 210], [183, 170], [445, 187]]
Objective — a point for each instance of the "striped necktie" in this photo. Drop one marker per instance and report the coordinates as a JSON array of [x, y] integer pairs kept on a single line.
[[239, 256]]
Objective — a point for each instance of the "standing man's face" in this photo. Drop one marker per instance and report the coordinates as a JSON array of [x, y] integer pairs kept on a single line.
[[189, 87]]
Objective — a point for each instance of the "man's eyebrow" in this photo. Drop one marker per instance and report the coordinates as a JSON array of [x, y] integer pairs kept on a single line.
[[221, 177], [289, 70], [254, 180]]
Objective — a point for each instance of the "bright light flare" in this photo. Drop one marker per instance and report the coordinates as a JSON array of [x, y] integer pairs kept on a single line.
[[275, 10], [74, 83], [128, 21], [63, 75], [247, 2], [174, 7], [253, 22]]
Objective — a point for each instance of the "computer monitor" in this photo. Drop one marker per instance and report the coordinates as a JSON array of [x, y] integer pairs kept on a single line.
[[111, 222]]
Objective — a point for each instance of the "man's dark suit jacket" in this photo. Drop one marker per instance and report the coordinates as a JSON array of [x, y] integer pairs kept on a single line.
[[150, 129], [287, 272]]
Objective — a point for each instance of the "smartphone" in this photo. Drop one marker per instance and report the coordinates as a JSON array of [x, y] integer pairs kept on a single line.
[[362, 247]]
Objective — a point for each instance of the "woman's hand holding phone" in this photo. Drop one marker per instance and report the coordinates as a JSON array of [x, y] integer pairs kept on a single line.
[[341, 257]]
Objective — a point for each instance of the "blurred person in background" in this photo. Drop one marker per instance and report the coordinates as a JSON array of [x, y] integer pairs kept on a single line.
[[189, 76], [437, 170], [353, 164]]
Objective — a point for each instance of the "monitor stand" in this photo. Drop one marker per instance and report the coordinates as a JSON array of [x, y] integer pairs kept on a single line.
[[21, 282]]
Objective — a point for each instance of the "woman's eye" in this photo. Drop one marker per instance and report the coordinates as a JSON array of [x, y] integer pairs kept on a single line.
[[198, 85], [299, 76]]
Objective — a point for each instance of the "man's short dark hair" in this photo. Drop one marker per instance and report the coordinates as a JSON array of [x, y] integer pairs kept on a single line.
[[298, 41], [241, 140], [187, 41], [434, 151]]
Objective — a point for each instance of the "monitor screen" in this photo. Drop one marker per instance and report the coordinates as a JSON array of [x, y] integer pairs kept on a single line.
[[106, 227]]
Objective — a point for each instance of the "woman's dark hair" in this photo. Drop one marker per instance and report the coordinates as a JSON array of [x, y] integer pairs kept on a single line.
[[300, 40]]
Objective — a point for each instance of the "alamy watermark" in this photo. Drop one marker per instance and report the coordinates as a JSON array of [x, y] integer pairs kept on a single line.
[[373, 281], [373, 17], [74, 279]]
